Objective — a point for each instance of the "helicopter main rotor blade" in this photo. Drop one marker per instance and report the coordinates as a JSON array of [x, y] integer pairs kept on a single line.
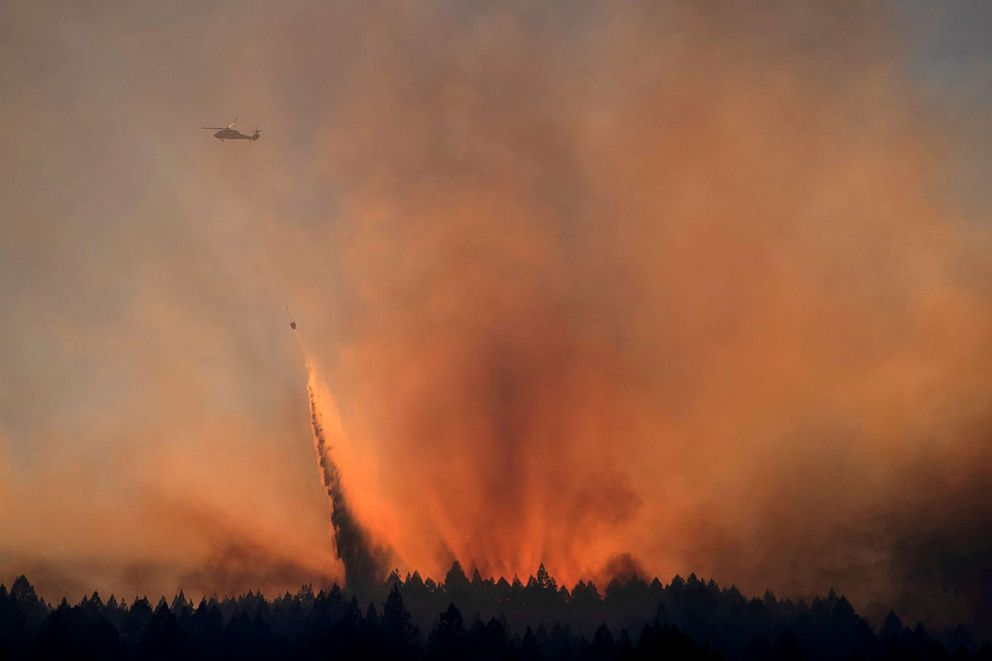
[[214, 128], [231, 125]]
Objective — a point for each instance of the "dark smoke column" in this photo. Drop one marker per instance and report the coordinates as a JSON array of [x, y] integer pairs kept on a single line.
[[364, 567]]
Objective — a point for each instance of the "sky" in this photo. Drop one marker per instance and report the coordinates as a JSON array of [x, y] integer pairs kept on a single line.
[[613, 287]]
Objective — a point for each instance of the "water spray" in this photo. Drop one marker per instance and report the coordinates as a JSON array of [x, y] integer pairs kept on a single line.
[[364, 565]]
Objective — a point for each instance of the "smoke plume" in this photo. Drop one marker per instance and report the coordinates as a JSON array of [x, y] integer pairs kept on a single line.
[[687, 281], [677, 282]]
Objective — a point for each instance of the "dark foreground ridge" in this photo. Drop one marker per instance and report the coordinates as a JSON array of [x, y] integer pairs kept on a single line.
[[468, 619]]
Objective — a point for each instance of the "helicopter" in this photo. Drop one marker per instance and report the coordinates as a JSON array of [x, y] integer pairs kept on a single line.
[[230, 133]]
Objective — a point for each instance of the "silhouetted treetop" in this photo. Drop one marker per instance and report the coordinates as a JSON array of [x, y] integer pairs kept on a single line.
[[481, 618]]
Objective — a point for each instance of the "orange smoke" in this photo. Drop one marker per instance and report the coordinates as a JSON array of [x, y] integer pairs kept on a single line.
[[617, 287], [681, 286]]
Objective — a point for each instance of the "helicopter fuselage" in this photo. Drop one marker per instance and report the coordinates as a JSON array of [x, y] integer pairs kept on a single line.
[[234, 134]]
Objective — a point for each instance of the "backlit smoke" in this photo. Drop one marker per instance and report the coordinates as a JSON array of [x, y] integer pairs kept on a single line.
[[364, 566], [676, 282], [672, 279]]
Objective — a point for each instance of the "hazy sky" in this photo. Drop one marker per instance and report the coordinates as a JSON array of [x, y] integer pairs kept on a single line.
[[707, 287]]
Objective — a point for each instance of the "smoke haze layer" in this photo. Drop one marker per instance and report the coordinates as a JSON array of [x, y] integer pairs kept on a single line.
[[678, 287], [680, 283]]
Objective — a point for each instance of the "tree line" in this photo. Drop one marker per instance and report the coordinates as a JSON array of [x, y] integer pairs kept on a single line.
[[468, 618]]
